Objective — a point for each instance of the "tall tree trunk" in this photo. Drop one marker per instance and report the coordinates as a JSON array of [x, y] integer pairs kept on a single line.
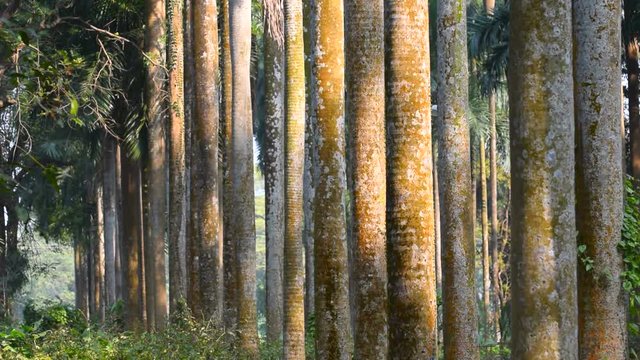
[[633, 76], [177, 227], [458, 253], [544, 250], [331, 273], [494, 318], [111, 222], [365, 113], [274, 163], [3, 268], [132, 243], [98, 257], [294, 269], [486, 260], [156, 173], [410, 218], [599, 179], [229, 246], [204, 188], [120, 291], [436, 215], [309, 161], [189, 113], [242, 197], [81, 279]]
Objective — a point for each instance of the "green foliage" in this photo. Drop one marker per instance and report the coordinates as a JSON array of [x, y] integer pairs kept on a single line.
[[630, 247], [53, 316]]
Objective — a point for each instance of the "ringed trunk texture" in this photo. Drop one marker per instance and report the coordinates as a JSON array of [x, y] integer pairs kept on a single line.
[[111, 219], [204, 188], [544, 249], [333, 324], [486, 260], [175, 60], [274, 177], [156, 186], [309, 161], [132, 243], [294, 269], [365, 114], [229, 243], [242, 197], [458, 252], [410, 218], [599, 179], [493, 318], [192, 242]]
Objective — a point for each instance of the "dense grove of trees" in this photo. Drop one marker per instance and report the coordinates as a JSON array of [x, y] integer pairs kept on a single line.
[[441, 177]]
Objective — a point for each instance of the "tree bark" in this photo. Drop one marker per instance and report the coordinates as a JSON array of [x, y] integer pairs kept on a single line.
[[294, 133], [81, 279], [156, 176], [309, 162], [331, 272], [544, 250], [486, 259], [242, 197], [633, 83], [458, 251], [365, 114], [229, 246], [599, 179], [177, 155], [204, 188], [98, 257], [132, 243], [111, 222], [274, 163], [410, 218]]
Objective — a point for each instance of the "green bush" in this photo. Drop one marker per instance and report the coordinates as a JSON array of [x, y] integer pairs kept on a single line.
[[53, 316]]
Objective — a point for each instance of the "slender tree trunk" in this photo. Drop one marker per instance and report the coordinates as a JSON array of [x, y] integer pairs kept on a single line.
[[294, 269], [120, 291], [242, 198], [132, 243], [494, 319], [331, 273], [544, 250], [365, 113], [274, 162], [189, 113], [309, 162], [204, 188], [458, 253], [229, 246], [410, 218], [3, 268], [98, 257], [175, 60], [486, 260], [156, 173], [436, 215], [81, 279], [633, 76], [110, 218], [599, 179]]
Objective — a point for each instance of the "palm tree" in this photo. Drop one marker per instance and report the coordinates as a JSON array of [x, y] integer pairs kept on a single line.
[[274, 172], [204, 187], [486, 260], [365, 114], [410, 218], [242, 197], [310, 180], [111, 217], [544, 249], [458, 251], [294, 330], [229, 247], [599, 179], [154, 45], [330, 243]]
